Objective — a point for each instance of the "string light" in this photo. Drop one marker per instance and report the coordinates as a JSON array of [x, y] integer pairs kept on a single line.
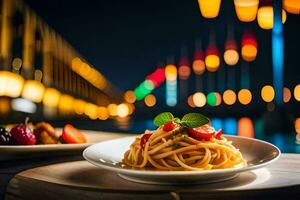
[[51, 97], [79, 106], [112, 109], [65, 104], [33, 90], [267, 93], [122, 110], [91, 110], [103, 113], [246, 9]]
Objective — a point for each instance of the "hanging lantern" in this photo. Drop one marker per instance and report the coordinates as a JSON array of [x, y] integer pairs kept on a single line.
[[246, 9], [231, 55], [292, 6], [11, 84], [249, 47], [198, 63], [184, 70], [265, 15], [209, 9], [33, 90], [212, 59]]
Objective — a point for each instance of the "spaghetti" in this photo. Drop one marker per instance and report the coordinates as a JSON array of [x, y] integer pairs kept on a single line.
[[177, 150]]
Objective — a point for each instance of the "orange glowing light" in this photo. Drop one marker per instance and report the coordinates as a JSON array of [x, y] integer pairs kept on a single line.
[[244, 96], [246, 9], [79, 106], [231, 57], [286, 95], [267, 93], [171, 72], [198, 66], [209, 9], [292, 6], [184, 70], [129, 96], [212, 59], [65, 104], [112, 109], [219, 98], [91, 110], [229, 97], [297, 125], [297, 92], [199, 99], [11, 84], [249, 47], [103, 113], [190, 101], [5, 105], [51, 97], [150, 100], [245, 127], [265, 17], [33, 90], [122, 110]]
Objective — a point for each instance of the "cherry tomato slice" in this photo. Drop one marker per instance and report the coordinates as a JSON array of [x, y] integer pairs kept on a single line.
[[71, 135], [144, 139], [204, 132], [169, 126], [218, 134]]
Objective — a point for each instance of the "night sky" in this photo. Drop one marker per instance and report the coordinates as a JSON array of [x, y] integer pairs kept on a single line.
[[126, 40]]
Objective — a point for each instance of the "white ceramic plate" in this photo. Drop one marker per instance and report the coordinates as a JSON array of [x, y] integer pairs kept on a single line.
[[109, 154], [9, 152]]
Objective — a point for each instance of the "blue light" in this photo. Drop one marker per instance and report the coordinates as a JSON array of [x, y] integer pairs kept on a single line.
[[230, 126], [171, 92], [217, 123]]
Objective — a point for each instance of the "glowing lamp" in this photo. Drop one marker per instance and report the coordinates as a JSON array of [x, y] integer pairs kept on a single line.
[[33, 90], [212, 59], [112, 109], [245, 127], [91, 110], [122, 110], [171, 72], [297, 92], [246, 9], [198, 63], [103, 113], [209, 9], [79, 106], [65, 104], [199, 99], [265, 17], [286, 94], [231, 56], [267, 93], [244, 96], [292, 6], [249, 47], [11, 84], [229, 97], [150, 100], [129, 96], [184, 70], [51, 97]]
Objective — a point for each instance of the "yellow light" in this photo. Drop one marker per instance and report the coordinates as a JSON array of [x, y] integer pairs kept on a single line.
[[265, 17], [231, 57], [150, 100], [246, 9], [249, 52], [11, 84], [199, 99], [122, 110], [4, 105], [286, 94], [171, 72], [244, 96], [65, 104], [79, 106], [245, 127], [219, 98], [212, 63], [209, 9], [33, 91], [112, 109], [297, 92], [103, 113], [292, 6], [190, 101], [267, 93], [130, 107], [297, 125], [198, 66], [51, 97], [229, 97], [129, 96], [91, 110], [76, 62]]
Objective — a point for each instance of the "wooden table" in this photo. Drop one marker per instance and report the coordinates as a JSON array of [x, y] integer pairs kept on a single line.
[[81, 180]]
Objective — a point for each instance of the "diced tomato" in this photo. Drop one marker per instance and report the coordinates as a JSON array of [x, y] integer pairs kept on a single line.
[[71, 135], [218, 134], [144, 139], [169, 126], [204, 132]]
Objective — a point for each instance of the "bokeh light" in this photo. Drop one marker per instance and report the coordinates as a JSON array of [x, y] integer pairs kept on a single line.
[[209, 9], [91, 110], [33, 90], [219, 98], [65, 104], [267, 93], [297, 92], [79, 106], [199, 99], [150, 100], [103, 113], [249, 46], [244, 96], [231, 57], [229, 97], [112, 109], [122, 110], [265, 17], [171, 72], [198, 66], [246, 9], [211, 99], [11, 84], [129, 96], [212, 63], [16, 63], [51, 97], [287, 95], [190, 101], [245, 127], [230, 126], [292, 6], [297, 125]]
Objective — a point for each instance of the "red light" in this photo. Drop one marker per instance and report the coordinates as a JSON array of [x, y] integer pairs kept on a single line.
[[184, 70]]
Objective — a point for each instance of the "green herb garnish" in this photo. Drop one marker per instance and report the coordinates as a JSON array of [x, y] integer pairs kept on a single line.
[[163, 118]]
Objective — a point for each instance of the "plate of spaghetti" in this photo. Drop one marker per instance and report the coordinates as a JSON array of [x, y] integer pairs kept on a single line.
[[181, 151]]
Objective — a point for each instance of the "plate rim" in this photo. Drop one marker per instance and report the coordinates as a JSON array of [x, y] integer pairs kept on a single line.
[[181, 173]]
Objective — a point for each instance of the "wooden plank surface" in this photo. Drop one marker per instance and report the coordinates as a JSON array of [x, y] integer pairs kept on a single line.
[[80, 180]]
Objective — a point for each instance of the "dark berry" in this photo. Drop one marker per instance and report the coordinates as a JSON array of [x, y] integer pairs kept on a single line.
[[23, 135], [5, 137]]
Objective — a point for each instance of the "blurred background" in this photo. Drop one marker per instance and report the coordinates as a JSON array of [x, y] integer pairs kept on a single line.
[[114, 65]]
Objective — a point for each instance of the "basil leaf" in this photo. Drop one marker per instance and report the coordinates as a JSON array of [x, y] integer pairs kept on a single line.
[[163, 118], [193, 120], [176, 120]]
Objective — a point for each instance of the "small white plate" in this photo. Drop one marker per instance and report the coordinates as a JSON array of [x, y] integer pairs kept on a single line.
[[10, 152], [109, 154]]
